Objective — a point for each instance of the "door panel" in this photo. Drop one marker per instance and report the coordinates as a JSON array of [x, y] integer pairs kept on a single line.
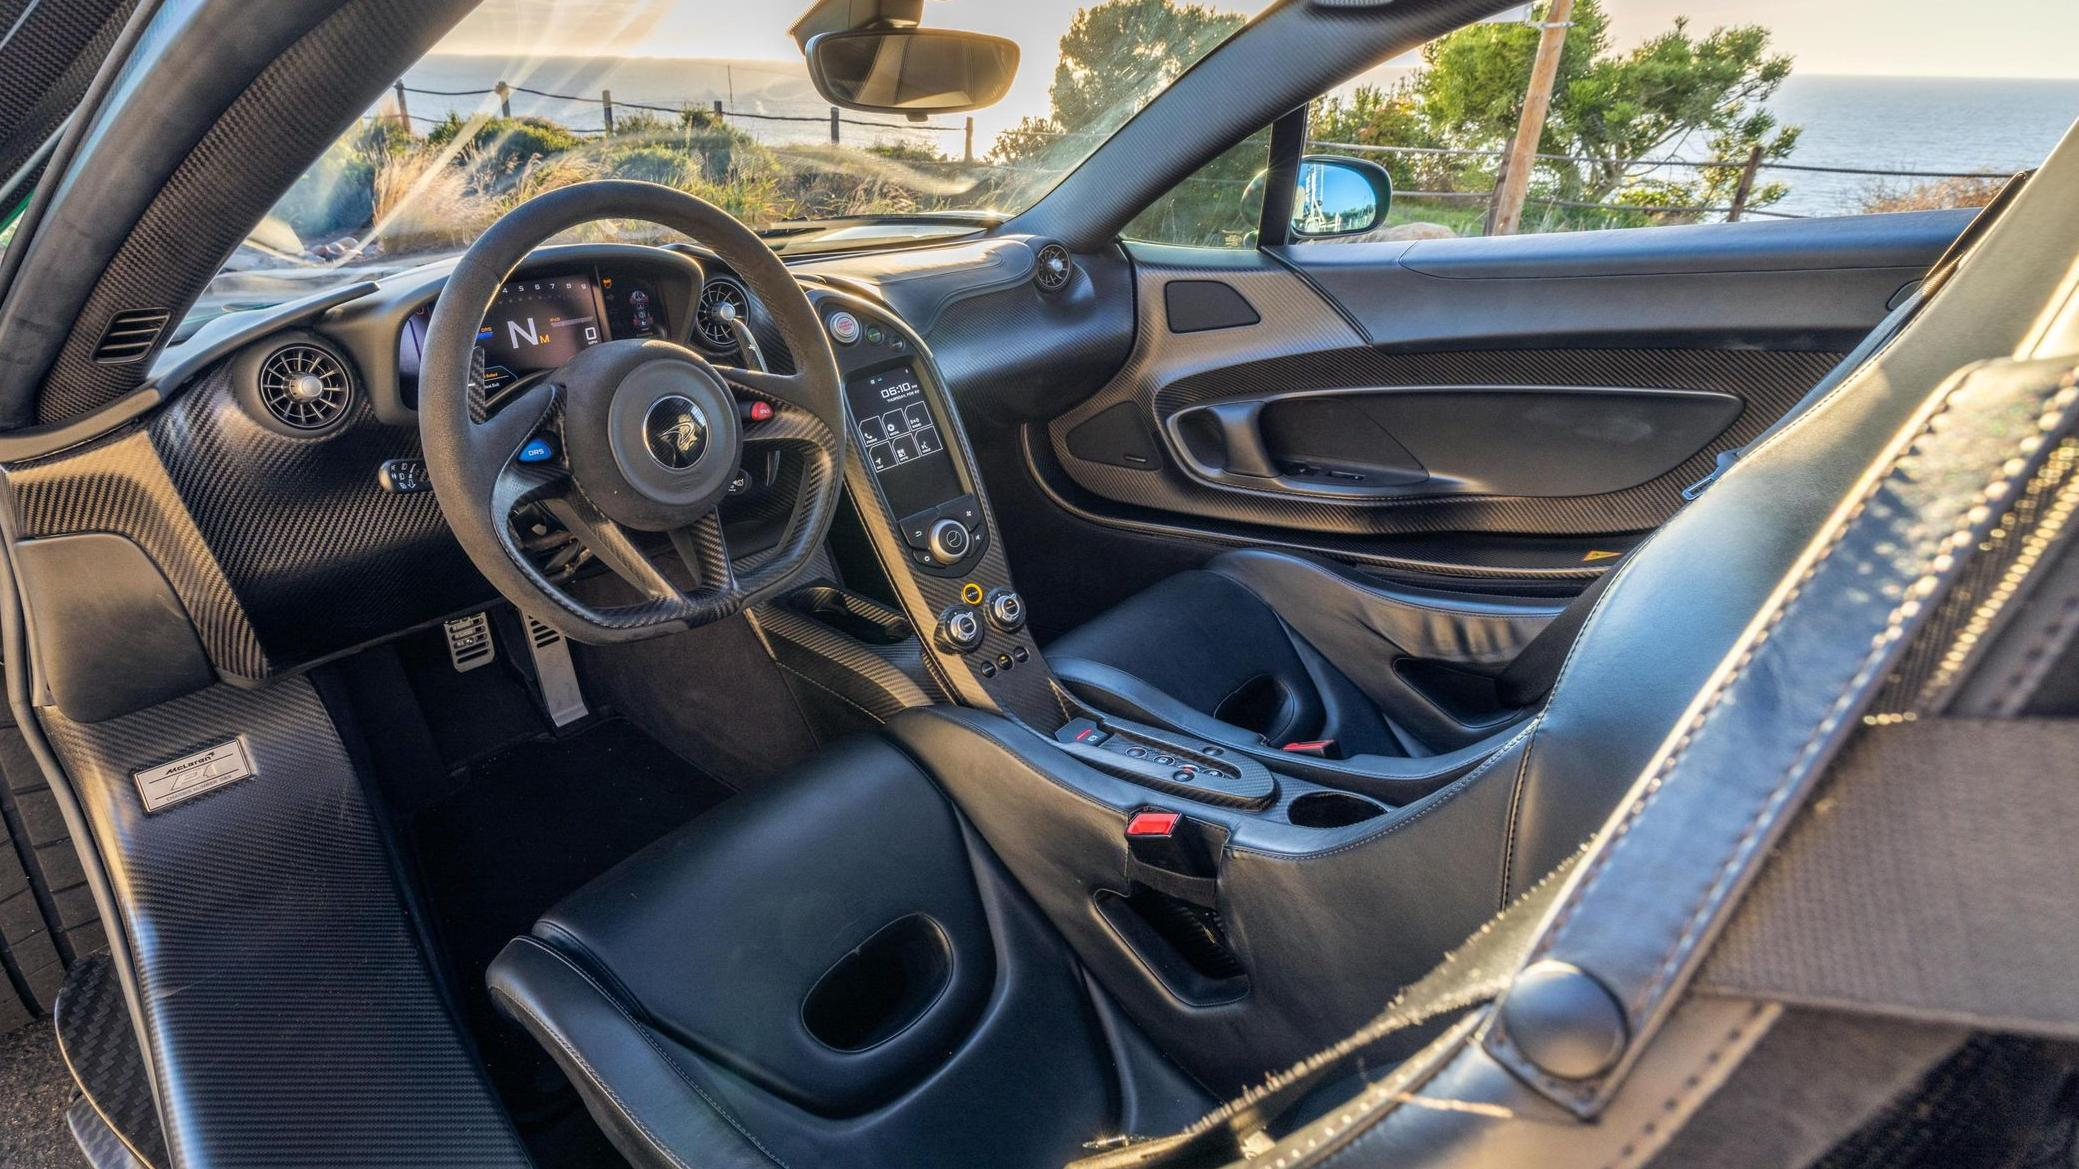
[[1492, 407]]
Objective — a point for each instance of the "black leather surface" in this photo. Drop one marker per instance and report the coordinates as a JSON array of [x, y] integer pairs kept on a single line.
[[1332, 645], [671, 990], [1328, 923]]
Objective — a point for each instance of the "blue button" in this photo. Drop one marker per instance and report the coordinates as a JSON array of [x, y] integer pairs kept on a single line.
[[537, 450]]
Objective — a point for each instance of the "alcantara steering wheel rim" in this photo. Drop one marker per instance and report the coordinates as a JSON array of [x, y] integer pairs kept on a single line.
[[645, 435]]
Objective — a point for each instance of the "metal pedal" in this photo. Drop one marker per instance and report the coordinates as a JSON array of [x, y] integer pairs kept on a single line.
[[469, 642], [555, 675]]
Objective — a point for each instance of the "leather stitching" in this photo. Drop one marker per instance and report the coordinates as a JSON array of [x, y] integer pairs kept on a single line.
[[592, 1076], [1432, 802], [650, 1040], [1775, 800], [1515, 810]]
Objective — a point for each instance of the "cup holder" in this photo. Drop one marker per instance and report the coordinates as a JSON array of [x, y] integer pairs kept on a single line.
[[1332, 810], [879, 989]]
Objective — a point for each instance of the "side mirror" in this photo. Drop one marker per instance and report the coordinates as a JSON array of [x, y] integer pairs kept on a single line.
[[912, 71], [1339, 196]]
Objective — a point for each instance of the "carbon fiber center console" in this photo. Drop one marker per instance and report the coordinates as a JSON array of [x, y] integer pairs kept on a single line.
[[920, 494]]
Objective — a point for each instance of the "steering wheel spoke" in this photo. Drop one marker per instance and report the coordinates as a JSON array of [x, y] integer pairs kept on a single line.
[[609, 542], [706, 551]]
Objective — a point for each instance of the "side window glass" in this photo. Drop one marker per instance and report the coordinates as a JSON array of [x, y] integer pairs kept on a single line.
[[1221, 206], [1655, 120]]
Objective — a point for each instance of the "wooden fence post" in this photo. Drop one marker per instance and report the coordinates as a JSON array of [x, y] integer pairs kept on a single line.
[[606, 108], [403, 111], [833, 126], [967, 151], [505, 99], [1745, 190]]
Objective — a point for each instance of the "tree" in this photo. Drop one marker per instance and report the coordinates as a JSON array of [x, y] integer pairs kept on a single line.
[[1115, 56], [1678, 93]]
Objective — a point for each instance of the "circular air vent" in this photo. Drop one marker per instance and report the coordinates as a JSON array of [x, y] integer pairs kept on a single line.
[[1054, 269], [304, 387], [714, 294]]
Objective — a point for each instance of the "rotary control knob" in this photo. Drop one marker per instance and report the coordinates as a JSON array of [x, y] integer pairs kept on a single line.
[[1006, 610], [960, 630], [948, 542]]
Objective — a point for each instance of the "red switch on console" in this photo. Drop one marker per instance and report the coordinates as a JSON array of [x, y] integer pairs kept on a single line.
[[1153, 823]]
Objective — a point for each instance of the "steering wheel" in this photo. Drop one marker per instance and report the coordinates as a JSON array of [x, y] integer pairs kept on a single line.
[[641, 435]]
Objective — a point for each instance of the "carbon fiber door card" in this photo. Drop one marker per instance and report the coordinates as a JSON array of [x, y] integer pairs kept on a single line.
[[189, 776]]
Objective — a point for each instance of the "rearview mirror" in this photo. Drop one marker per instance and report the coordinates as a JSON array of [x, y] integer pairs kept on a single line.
[[1339, 196], [912, 71]]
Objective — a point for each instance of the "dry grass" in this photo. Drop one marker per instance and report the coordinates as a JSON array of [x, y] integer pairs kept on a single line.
[[1936, 195]]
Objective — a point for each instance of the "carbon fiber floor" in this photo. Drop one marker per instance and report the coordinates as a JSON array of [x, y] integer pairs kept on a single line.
[[35, 1089]]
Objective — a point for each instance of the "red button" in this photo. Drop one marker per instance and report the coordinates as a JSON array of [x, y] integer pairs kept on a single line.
[[761, 411], [1153, 823]]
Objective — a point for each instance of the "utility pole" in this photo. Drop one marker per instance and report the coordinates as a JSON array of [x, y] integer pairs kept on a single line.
[[1507, 212]]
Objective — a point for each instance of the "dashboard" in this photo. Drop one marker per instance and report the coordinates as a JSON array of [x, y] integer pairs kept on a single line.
[[259, 523]]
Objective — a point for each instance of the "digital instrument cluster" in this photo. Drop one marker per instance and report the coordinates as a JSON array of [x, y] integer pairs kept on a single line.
[[541, 320]]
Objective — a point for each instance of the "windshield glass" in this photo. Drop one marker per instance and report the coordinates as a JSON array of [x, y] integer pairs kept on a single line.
[[713, 98]]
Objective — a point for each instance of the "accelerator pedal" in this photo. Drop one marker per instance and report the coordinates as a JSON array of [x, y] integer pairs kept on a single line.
[[555, 675]]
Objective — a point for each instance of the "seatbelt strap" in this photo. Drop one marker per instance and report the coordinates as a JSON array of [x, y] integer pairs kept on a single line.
[[1931, 880]]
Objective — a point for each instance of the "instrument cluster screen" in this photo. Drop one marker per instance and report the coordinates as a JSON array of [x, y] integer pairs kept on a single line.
[[902, 441], [533, 325], [538, 324]]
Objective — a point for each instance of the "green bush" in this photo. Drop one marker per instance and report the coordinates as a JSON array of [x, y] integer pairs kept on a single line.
[[649, 164], [503, 145]]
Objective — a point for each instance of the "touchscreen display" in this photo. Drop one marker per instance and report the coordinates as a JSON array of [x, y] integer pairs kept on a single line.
[[537, 324], [901, 441]]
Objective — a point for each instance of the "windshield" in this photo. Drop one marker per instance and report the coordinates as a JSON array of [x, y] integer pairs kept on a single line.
[[713, 98]]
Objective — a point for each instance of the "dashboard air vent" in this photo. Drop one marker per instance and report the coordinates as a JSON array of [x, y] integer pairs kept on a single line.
[[305, 387], [715, 293], [1054, 269], [131, 335]]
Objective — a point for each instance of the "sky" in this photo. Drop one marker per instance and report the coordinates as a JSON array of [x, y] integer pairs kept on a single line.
[[2000, 38]]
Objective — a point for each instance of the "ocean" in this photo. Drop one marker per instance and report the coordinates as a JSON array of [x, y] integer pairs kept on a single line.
[[1875, 123]]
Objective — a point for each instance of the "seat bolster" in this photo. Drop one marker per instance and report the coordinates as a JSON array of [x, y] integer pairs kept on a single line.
[[637, 1091]]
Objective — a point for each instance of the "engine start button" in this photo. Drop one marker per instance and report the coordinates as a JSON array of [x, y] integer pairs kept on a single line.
[[844, 327]]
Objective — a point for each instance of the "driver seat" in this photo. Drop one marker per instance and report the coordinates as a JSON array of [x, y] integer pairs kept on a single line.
[[832, 971]]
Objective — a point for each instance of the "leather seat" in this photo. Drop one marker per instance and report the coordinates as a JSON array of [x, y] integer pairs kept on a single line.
[[831, 971], [1258, 650]]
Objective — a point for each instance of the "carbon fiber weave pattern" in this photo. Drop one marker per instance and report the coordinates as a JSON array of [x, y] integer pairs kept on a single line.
[[1027, 690], [290, 113], [119, 485], [283, 988], [1304, 343], [317, 554], [98, 1142], [882, 682], [100, 1047], [52, 51]]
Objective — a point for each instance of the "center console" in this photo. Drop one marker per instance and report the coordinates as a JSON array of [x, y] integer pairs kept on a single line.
[[1186, 870]]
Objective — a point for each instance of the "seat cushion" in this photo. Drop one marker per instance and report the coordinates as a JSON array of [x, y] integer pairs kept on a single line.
[[1295, 649], [1206, 642], [830, 971]]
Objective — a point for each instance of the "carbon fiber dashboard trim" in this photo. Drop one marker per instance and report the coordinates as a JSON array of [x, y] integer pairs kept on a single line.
[[120, 485], [291, 1016], [283, 550], [1303, 342]]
